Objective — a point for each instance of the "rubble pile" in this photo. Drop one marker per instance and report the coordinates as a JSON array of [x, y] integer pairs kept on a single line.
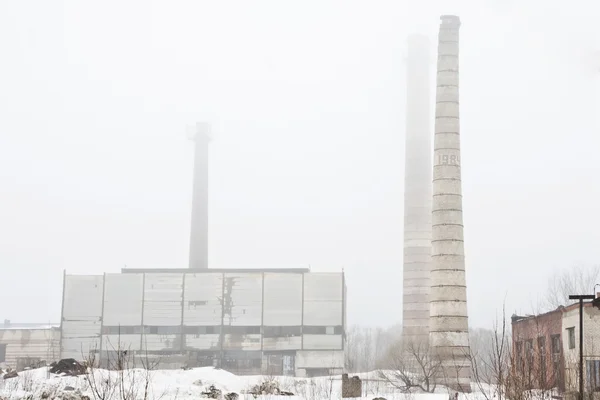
[[212, 393], [69, 367], [268, 387], [10, 374]]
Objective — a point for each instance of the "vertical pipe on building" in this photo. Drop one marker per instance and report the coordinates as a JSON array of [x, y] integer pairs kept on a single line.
[[199, 225], [417, 194], [581, 387], [449, 328]]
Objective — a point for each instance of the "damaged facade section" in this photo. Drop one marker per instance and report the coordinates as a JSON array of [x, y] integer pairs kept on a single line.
[[280, 322]]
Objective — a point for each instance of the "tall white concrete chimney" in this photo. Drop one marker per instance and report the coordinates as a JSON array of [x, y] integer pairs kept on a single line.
[[199, 226], [449, 327], [417, 194]]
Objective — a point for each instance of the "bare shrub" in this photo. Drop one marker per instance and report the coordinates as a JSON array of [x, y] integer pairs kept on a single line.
[[410, 366]]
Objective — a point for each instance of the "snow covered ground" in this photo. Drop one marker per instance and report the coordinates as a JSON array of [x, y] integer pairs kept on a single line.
[[190, 384]]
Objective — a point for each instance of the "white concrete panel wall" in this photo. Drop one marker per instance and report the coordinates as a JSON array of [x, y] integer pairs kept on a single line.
[[319, 359], [282, 343], [203, 342], [81, 316], [163, 299], [123, 299], [241, 342], [242, 300], [35, 343], [417, 194], [322, 342], [323, 299], [79, 338], [83, 297], [121, 342], [283, 299], [152, 342], [202, 302], [449, 328]]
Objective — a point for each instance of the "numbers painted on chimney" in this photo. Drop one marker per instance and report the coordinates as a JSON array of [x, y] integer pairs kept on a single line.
[[445, 159]]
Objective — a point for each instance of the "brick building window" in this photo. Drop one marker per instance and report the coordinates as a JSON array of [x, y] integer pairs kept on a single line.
[[556, 352], [519, 357], [571, 335], [529, 353], [542, 353], [555, 344]]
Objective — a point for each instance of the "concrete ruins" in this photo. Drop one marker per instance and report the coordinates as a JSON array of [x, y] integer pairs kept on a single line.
[[199, 226], [449, 330], [417, 194]]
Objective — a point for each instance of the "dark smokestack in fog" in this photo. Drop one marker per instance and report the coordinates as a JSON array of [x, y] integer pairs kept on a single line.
[[199, 225], [417, 194]]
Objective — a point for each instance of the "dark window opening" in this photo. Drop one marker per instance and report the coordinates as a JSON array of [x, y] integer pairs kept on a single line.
[[323, 330], [2, 353], [121, 330], [162, 330], [202, 330], [571, 335], [519, 357], [314, 330], [529, 353], [542, 355], [282, 331], [555, 344], [241, 330]]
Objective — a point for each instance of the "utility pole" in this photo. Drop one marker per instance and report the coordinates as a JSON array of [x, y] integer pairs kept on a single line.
[[581, 298]]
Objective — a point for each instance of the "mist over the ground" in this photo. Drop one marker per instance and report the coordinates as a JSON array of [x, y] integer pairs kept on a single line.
[[306, 166]]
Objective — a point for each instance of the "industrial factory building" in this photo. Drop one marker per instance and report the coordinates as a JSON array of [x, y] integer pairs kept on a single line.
[[280, 322], [28, 345]]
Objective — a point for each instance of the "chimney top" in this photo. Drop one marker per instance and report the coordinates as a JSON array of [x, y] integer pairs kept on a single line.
[[450, 20], [200, 131]]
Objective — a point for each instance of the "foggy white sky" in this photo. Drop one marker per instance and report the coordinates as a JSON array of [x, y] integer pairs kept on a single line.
[[307, 101]]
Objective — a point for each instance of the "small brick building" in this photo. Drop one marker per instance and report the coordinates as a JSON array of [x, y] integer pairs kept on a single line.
[[538, 351], [546, 349]]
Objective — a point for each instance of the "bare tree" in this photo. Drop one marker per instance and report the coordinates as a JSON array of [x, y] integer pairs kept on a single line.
[[409, 366], [490, 364], [121, 379], [353, 338], [573, 280], [101, 382]]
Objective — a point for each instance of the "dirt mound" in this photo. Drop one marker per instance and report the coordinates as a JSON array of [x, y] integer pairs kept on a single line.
[[68, 366]]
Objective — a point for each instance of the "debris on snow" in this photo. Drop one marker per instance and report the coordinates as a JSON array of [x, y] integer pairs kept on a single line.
[[268, 387], [11, 374], [212, 393], [68, 366]]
